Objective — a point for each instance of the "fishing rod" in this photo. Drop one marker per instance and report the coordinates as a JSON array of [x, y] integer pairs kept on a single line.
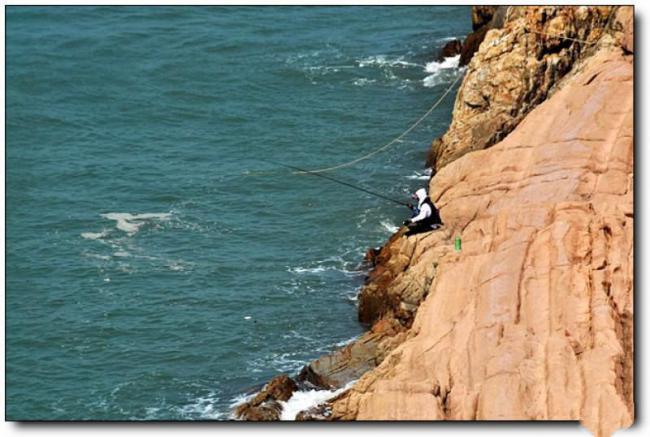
[[347, 184]]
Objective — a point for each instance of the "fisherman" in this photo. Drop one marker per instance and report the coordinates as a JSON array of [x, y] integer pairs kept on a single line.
[[426, 216]]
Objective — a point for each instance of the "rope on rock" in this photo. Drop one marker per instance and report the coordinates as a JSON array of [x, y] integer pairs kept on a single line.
[[391, 142], [582, 41]]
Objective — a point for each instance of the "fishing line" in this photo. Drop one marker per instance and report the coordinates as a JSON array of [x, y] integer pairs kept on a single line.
[[329, 178], [394, 140]]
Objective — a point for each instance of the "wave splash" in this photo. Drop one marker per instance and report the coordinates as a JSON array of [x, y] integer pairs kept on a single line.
[[304, 400], [441, 72]]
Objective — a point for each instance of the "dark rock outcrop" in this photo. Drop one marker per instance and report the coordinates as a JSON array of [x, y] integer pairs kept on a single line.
[[452, 48], [482, 15], [265, 405], [484, 18]]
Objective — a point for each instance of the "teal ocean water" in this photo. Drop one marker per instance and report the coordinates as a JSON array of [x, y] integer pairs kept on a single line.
[[151, 272]]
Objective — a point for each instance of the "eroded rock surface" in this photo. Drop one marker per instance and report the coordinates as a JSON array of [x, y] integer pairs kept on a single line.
[[265, 405], [515, 68], [533, 319]]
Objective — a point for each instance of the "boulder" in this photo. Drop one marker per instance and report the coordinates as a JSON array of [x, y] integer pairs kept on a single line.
[[265, 405], [450, 49]]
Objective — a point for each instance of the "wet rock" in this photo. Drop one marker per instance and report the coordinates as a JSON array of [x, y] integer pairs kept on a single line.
[[348, 363], [370, 258], [319, 412], [451, 49], [265, 406]]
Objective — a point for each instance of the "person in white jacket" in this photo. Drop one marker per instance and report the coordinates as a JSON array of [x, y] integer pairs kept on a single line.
[[426, 216]]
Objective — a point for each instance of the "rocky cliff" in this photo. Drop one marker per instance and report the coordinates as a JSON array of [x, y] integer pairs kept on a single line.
[[533, 318], [524, 52]]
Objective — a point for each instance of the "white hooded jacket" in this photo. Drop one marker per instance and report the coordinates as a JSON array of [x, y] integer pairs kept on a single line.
[[425, 209]]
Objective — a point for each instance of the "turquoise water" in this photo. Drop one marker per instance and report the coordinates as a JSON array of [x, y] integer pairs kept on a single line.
[[152, 273]]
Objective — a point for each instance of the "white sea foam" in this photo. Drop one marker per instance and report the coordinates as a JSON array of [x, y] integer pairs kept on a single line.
[[384, 61], [448, 38], [203, 407], [177, 265], [94, 235], [450, 62], [323, 268], [131, 223], [353, 297], [363, 81], [421, 176], [418, 176], [389, 226], [97, 256], [317, 269], [345, 342], [439, 71], [303, 400]]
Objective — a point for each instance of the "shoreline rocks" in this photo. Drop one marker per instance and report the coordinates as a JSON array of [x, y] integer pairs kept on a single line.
[[533, 319], [265, 405], [450, 49]]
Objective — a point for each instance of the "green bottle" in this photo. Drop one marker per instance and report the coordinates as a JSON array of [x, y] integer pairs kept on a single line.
[[457, 244]]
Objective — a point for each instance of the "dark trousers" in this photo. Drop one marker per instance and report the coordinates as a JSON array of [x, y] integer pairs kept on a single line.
[[422, 226]]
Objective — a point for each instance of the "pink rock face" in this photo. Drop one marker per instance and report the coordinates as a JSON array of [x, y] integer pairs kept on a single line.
[[516, 67], [533, 319]]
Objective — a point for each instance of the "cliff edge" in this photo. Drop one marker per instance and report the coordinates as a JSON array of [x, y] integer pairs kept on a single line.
[[533, 318]]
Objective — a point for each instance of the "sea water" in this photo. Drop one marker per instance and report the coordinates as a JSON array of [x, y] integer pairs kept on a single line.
[[155, 267]]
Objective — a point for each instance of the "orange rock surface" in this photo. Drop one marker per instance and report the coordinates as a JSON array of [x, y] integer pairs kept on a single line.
[[533, 318], [514, 70]]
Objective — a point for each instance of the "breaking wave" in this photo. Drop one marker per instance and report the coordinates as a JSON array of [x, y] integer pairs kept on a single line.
[[441, 72], [304, 400]]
